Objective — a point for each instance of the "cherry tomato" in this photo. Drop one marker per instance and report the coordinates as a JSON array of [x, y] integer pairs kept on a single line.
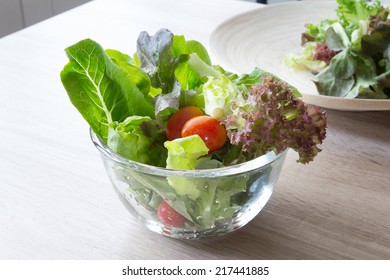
[[169, 216], [178, 119], [212, 132]]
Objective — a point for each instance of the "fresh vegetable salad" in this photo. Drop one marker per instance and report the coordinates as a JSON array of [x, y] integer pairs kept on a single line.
[[349, 55], [168, 106]]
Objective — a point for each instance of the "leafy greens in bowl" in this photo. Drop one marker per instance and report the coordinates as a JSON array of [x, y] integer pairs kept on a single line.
[[186, 186]]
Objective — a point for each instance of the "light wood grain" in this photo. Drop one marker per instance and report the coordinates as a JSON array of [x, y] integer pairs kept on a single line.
[[56, 201]]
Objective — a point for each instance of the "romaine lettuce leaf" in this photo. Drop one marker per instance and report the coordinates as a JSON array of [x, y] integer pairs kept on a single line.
[[102, 91], [139, 77]]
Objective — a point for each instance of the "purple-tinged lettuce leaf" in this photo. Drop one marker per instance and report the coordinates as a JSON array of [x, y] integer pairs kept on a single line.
[[168, 103], [273, 120], [157, 60]]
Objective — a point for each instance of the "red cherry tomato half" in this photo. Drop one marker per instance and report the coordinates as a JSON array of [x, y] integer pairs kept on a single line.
[[212, 132], [169, 216], [178, 119]]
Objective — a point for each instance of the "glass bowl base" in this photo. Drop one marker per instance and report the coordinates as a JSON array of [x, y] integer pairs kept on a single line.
[[221, 228]]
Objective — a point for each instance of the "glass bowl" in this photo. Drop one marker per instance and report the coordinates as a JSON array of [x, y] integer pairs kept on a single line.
[[211, 202]]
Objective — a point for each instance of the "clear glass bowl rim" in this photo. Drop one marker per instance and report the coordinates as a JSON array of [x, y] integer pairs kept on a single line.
[[241, 168]]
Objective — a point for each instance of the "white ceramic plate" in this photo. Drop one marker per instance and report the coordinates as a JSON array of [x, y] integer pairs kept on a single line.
[[262, 37]]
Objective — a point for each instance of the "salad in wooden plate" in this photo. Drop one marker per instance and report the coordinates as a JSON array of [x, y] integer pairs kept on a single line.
[[334, 53]]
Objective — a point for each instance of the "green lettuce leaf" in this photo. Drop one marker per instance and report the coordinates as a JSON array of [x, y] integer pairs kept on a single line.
[[188, 77], [347, 75], [180, 46], [102, 91], [336, 38], [139, 77], [206, 200], [359, 39], [218, 94], [316, 32], [184, 154], [351, 13], [304, 61], [194, 72], [137, 138], [257, 76], [216, 201], [376, 43]]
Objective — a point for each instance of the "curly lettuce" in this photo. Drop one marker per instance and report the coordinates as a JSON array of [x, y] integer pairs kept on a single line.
[[219, 94], [273, 119]]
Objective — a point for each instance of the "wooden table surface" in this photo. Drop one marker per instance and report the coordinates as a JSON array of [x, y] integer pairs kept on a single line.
[[56, 201]]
